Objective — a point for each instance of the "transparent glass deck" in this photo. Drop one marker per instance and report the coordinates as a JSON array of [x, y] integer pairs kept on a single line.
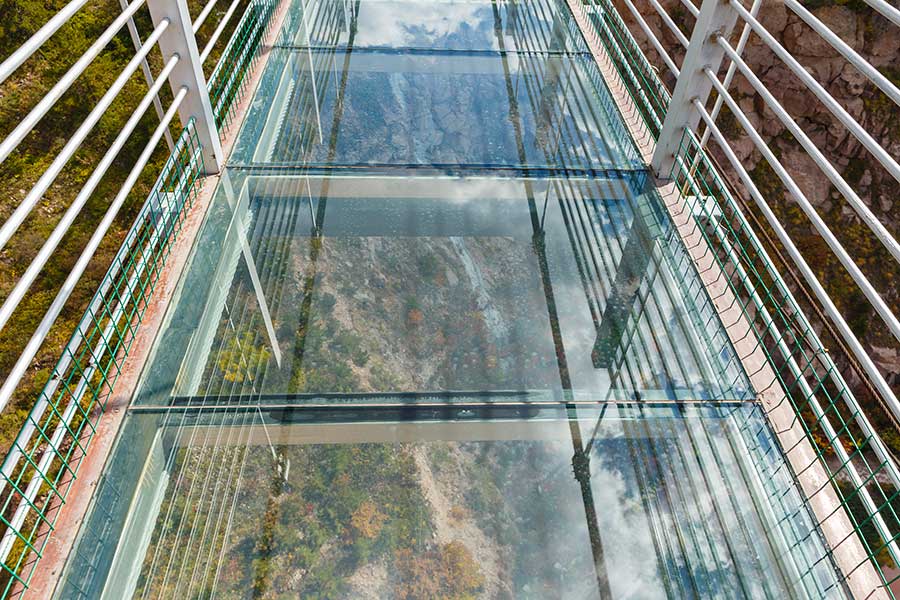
[[416, 289], [438, 338], [640, 501]]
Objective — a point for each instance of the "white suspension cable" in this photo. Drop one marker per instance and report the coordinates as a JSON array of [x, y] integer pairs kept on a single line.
[[818, 157], [880, 154], [183, 518], [21, 288], [23, 52], [691, 7], [157, 560], [230, 521], [682, 39], [49, 176], [653, 39], [218, 32], [177, 476], [849, 265], [888, 11], [198, 22], [267, 270], [68, 286], [65, 82], [261, 371], [852, 56]]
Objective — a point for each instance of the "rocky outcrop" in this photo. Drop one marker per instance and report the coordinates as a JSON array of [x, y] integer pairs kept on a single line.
[[879, 42]]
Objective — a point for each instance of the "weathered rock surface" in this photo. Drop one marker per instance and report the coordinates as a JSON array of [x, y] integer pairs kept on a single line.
[[877, 41]]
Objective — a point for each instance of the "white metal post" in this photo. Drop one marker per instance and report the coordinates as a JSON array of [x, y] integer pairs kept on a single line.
[[717, 17], [179, 39], [148, 75]]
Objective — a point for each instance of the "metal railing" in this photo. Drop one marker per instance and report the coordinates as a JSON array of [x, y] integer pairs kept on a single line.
[[227, 83], [44, 459], [859, 469]]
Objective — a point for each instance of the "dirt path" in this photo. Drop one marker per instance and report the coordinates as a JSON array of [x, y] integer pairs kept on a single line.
[[450, 525], [369, 581]]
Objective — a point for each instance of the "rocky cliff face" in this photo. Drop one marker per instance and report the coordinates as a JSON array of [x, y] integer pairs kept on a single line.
[[879, 42]]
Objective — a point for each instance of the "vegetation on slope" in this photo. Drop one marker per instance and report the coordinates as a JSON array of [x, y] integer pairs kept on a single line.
[[19, 19]]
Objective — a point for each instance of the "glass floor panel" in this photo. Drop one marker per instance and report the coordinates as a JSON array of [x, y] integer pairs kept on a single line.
[[438, 338], [470, 288], [443, 110], [433, 25], [663, 502]]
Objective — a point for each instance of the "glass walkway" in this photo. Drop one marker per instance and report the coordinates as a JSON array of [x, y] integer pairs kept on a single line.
[[439, 339]]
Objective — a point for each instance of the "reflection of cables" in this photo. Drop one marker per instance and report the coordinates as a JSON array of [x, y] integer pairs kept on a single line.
[[540, 99], [238, 320], [654, 515], [581, 469], [273, 264], [590, 445], [261, 235], [745, 427], [660, 352], [189, 455], [279, 293], [312, 214]]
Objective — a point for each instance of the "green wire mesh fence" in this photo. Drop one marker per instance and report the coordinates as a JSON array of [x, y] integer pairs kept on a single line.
[[860, 469], [43, 462], [228, 81], [640, 78], [858, 465]]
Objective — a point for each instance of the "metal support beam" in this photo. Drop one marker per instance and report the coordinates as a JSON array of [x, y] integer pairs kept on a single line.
[[179, 39], [240, 206], [716, 18]]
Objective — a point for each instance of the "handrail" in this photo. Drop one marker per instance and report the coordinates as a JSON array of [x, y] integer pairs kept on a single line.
[[65, 82], [24, 52], [31, 492], [860, 468], [52, 172], [218, 31], [828, 169], [852, 56], [201, 18], [34, 269], [37, 473], [859, 132], [889, 12]]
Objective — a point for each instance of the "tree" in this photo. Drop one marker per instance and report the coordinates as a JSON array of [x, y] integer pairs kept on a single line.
[[448, 572], [367, 521]]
